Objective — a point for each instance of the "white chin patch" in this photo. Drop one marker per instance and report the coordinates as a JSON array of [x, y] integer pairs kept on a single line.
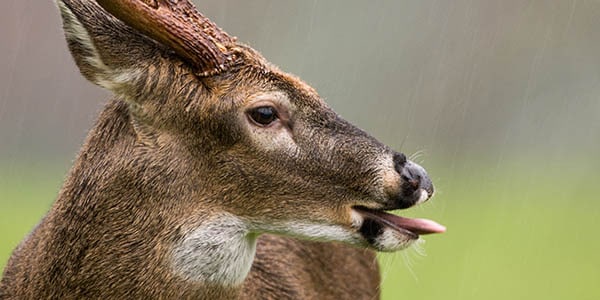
[[391, 240]]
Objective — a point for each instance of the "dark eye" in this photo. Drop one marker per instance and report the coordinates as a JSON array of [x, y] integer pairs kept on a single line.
[[263, 115]]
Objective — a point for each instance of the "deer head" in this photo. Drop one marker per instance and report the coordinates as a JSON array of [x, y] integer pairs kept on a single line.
[[220, 143]]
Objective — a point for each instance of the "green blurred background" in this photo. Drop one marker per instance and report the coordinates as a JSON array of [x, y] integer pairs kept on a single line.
[[499, 100]]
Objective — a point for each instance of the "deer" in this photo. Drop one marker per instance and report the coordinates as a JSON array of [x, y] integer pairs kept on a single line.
[[211, 174]]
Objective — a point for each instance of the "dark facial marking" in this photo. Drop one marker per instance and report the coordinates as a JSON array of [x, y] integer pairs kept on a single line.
[[371, 229]]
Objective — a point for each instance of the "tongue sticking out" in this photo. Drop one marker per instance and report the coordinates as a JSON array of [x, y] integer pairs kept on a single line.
[[418, 226]]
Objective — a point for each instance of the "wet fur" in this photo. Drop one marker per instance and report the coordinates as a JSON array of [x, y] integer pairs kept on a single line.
[[140, 184], [86, 242]]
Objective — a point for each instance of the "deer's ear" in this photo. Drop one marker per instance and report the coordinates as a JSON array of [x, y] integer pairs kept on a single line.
[[107, 52], [111, 39]]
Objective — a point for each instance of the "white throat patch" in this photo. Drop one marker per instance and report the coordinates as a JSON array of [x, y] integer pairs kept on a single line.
[[220, 251]]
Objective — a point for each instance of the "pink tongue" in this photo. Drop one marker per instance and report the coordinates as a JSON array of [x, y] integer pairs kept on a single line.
[[418, 226]]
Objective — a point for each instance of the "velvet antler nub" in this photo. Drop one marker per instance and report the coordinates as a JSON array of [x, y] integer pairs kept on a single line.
[[178, 25]]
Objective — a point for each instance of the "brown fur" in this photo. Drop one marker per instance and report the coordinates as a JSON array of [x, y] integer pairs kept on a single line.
[[170, 151], [107, 225]]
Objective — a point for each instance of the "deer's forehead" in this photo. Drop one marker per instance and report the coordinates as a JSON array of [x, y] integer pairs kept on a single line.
[[300, 94], [265, 76]]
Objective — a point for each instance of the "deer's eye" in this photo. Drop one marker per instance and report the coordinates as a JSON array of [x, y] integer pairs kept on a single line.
[[264, 115]]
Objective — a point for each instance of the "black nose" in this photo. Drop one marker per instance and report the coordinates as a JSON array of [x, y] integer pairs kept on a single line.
[[413, 179]]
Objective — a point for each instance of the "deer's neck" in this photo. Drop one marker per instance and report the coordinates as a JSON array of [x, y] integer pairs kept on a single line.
[[218, 252], [210, 258]]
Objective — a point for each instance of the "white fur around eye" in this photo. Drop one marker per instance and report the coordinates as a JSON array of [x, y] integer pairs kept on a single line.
[[272, 138]]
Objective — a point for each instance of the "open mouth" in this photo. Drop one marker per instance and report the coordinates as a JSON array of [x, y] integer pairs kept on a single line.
[[406, 226]]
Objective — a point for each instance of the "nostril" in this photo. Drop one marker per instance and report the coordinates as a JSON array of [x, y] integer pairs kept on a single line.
[[414, 178], [414, 183], [411, 179]]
